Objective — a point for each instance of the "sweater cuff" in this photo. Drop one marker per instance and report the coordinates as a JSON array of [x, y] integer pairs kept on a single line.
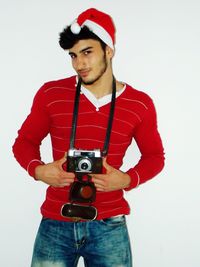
[[135, 179], [32, 165]]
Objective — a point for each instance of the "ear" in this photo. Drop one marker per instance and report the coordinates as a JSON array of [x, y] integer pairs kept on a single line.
[[110, 52]]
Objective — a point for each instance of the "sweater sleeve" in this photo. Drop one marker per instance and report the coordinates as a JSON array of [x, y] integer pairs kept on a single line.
[[150, 145], [35, 128]]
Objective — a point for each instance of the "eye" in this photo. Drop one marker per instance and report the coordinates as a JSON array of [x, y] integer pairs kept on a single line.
[[72, 56], [87, 52]]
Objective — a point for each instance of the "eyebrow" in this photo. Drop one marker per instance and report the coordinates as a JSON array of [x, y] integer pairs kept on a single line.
[[81, 51]]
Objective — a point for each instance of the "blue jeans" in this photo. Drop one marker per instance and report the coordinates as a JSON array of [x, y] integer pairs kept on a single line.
[[101, 243]]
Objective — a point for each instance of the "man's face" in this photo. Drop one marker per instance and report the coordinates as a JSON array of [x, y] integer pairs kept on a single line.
[[89, 60]]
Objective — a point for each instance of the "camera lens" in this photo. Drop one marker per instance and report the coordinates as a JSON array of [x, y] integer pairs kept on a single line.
[[84, 165]]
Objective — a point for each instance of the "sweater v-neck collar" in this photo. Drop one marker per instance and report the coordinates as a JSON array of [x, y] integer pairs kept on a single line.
[[99, 102]]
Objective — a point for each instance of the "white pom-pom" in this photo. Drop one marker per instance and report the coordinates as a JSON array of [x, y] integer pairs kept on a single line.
[[75, 28]]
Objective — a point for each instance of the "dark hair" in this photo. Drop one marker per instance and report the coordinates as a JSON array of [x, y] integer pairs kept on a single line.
[[68, 39]]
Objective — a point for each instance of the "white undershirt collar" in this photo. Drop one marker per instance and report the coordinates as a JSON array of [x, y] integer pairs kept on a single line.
[[99, 102]]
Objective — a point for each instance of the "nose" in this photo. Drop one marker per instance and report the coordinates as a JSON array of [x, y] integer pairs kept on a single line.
[[79, 63]]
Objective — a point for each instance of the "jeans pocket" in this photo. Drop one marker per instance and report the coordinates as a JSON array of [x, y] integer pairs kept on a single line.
[[114, 221]]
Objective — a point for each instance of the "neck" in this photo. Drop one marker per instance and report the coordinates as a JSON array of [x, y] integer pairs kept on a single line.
[[103, 86]]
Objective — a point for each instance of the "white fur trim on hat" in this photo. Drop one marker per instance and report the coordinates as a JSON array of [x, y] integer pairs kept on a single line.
[[96, 29], [100, 32]]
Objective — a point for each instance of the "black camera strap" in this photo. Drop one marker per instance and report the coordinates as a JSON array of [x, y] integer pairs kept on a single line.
[[75, 115], [110, 120]]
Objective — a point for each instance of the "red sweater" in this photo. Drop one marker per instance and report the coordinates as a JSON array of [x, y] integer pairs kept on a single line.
[[51, 113]]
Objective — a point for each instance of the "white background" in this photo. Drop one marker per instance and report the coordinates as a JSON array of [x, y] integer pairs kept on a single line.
[[157, 51]]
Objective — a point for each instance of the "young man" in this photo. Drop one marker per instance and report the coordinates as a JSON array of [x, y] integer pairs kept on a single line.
[[104, 241]]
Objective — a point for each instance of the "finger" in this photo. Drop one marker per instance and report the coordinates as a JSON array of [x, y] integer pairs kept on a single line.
[[98, 177], [100, 189], [99, 186], [67, 175], [99, 183], [66, 182]]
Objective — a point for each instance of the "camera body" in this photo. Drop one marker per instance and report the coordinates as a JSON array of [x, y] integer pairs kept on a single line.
[[84, 161]]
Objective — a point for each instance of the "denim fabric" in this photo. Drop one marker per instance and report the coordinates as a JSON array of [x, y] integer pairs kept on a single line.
[[103, 243]]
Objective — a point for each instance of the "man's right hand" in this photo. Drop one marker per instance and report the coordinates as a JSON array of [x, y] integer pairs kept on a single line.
[[53, 174]]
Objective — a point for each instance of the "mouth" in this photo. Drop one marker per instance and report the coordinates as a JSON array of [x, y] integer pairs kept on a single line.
[[83, 73]]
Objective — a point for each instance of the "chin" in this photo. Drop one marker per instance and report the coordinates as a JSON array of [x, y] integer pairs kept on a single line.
[[88, 81]]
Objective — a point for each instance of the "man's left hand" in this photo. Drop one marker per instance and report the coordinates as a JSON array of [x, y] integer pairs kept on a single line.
[[113, 179]]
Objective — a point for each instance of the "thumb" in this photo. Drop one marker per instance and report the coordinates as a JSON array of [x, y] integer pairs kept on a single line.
[[62, 160], [106, 165]]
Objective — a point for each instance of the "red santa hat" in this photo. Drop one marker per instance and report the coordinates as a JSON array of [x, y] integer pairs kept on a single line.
[[99, 23]]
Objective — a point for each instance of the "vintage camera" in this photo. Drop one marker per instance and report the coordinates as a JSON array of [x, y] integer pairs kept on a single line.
[[84, 161]]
